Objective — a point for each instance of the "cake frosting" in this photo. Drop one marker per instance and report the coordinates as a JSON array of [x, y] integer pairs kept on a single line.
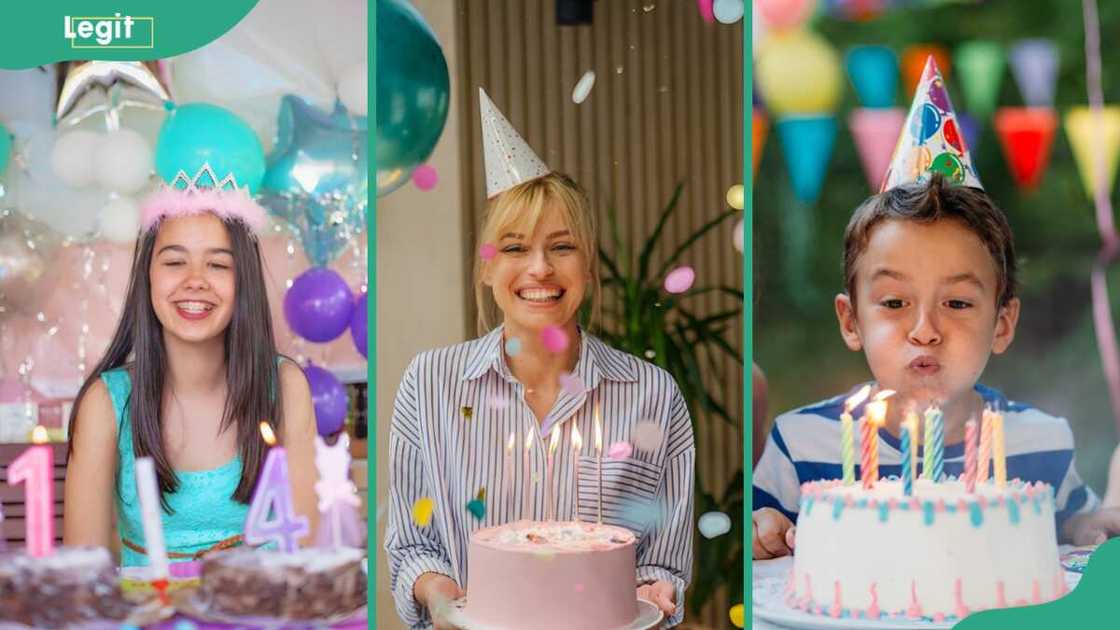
[[552, 576], [939, 554]]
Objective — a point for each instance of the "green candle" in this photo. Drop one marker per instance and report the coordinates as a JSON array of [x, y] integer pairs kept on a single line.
[[846, 448]]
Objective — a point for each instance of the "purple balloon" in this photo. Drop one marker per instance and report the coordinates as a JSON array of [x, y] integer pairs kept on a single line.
[[330, 400], [358, 325], [319, 304]]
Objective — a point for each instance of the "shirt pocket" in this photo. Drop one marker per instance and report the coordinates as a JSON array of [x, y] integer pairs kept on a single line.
[[629, 492]]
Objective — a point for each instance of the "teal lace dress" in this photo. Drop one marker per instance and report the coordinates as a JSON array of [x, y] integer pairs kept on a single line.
[[204, 510]]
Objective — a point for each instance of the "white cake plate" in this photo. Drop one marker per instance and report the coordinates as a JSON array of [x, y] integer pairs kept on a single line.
[[649, 615], [770, 605]]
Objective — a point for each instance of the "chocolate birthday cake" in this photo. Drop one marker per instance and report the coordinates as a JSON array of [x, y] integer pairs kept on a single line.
[[312, 583], [72, 586]]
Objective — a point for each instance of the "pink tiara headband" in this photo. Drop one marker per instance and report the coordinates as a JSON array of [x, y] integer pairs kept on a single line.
[[190, 197]]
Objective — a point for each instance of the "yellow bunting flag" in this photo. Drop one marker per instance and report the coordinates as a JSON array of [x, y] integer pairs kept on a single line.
[[1094, 136]]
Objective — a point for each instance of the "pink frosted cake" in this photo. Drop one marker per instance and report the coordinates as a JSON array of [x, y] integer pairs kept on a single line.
[[938, 555], [552, 576]]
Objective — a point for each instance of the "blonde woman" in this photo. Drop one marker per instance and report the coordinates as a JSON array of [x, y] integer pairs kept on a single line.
[[535, 370]]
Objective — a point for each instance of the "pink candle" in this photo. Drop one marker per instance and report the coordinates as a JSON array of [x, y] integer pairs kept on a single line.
[[273, 494], [553, 442], [526, 506], [577, 444], [599, 459], [876, 413], [985, 454], [970, 455], [33, 466], [867, 440], [507, 476]]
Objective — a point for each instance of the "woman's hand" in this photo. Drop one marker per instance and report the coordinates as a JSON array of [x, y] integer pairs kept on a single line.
[[435, 592], [661, 593], [773, 534], [1093, 528]]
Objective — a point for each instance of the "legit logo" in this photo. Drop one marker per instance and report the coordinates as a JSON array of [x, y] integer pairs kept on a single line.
[[110, 32]]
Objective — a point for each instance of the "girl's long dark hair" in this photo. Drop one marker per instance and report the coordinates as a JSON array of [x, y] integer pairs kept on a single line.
[[252, 375]]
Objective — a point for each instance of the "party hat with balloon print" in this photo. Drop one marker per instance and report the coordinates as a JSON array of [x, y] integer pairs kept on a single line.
[[509, 160], [932, 140]]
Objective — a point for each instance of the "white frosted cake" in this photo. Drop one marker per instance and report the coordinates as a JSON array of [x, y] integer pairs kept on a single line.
[[552, 576], [937, 555]]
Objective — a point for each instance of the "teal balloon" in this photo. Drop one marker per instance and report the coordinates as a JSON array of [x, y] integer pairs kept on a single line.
[[318, 176], [200, 133], [5, 147], [807, 143], [412, 92]]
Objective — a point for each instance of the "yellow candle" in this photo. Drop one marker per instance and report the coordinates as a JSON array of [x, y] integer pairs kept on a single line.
[[999, 451]]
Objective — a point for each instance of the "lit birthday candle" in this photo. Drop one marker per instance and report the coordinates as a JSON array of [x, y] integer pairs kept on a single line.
[[508, 468], [577, 444], [553, 442], [875, 416], [33, 469], [934, 450], [148, 491], [999, 451], [970, 455], [273, 496], [984, 456], [846, 455], [526, 506], [909, 429], [599, 459]]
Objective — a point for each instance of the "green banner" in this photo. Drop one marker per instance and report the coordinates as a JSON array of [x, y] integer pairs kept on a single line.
[[112, 30]]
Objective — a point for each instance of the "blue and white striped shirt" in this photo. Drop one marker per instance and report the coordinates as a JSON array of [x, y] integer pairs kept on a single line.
[[804, 445], [452, 417]]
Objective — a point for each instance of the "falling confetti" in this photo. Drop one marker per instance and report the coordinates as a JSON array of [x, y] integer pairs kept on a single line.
[[735, 196], [476, 508], [713, 524], [425, 177], [487, 251], [579, 587], [650, 354], [620, 450], [648, 7], [618, 70], [646, 514], [646, 436], [680, 279], [571, 383], [736, 615], [583, 87], [705, 7], [468, 412], [554, 339], [422, 511], [737, 237], [499, 402], [728, 11], [513, 346], [481, 494]]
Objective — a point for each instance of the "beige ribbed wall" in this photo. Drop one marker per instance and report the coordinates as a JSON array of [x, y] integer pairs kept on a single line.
[[666, 107]]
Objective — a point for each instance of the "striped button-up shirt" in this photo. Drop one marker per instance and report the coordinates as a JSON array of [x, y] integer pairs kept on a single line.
[[452, 418]]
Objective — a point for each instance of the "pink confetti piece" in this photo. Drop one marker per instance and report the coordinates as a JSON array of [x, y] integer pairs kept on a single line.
[[706, 11], [620, 450], [425, 177], [680, 279], [487, 251], [554, 339], [572, 383], [579, 588], [513, 346], [646, 436]]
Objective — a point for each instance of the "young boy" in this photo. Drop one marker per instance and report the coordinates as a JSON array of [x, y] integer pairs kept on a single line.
[[930, 295]]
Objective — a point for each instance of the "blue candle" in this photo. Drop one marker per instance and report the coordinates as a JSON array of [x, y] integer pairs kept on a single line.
[[907, 477]]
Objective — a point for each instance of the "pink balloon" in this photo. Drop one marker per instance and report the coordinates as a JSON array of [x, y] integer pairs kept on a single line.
[[554, 339], [487, 251], [572, 383], [785, 14], [425, 177], [705, 7], [680, 279], [620, 450]]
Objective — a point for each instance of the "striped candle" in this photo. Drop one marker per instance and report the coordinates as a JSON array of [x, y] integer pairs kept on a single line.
[[912, 422], [970, 455], [876, 413], [935, 444], [867, 442], [847, 456], [907, 459], [985, 455], [927, 443], [999, 452]]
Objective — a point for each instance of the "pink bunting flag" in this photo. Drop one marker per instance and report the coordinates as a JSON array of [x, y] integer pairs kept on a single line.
[[876, 133]]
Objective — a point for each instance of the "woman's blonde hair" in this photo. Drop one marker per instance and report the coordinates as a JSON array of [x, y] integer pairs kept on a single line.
[[520, 209]]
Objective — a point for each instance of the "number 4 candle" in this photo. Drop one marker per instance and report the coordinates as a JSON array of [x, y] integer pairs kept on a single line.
[[273, 494]]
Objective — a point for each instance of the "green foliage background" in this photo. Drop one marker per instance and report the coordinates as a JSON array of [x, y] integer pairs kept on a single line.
[[1054, 362]]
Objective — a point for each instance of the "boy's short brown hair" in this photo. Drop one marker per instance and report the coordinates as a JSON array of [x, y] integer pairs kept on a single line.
[[931, 202]]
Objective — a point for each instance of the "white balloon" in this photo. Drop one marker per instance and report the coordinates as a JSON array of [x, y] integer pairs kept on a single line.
[[352, 88], [119, 220], [123, 161], [737, 237], [72, 157], [37, 191], [728, 11]]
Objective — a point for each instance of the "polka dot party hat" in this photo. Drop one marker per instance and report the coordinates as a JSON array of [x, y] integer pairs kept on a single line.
[[932, 140], [509, 160]]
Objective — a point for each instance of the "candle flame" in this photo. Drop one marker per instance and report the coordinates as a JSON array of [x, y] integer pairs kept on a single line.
[[577, 439], [509, 443], [39, 435], [885, 394], [267, 434], [529, 439], [857, 398], [876, 412], [554, 441], [598, 431]]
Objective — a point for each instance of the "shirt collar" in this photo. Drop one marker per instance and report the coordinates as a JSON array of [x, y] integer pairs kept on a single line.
[[596, 361]]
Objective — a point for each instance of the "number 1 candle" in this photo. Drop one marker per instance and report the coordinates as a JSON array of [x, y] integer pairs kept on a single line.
[[273, 494], [846, 455], [33, 468]]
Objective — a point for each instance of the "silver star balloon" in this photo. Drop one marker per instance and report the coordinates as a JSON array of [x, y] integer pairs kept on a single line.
[[83, 76]]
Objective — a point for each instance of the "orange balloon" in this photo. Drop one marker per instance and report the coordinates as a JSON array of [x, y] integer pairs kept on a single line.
[[759, 127], [914, 61]]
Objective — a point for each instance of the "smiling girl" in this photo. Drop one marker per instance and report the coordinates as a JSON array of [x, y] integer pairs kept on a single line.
[[191, 371]]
